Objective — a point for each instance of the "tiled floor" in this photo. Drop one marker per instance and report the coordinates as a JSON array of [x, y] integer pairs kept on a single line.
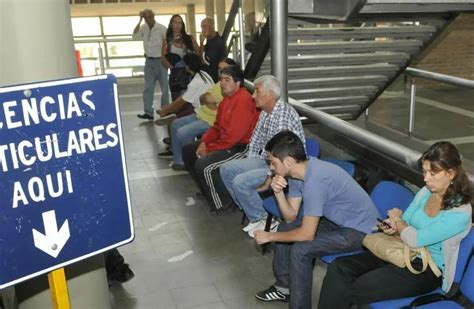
[[222, 267], [219, 266]]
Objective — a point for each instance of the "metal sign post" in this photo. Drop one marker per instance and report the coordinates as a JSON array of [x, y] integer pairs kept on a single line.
[[58, 289]]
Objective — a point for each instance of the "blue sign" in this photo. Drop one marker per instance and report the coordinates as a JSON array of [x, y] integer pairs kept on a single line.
[[63, 192]]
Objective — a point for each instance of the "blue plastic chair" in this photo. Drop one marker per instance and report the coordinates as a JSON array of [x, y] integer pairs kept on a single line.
[[466, 250], [345, 165], [385, 195], [466, 288]]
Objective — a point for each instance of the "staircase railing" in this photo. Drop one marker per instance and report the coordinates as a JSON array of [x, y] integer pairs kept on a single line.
[[442, 78], [234, 9], [259, 53]]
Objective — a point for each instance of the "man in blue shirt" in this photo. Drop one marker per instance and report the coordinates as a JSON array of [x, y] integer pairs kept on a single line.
[[337, 214]]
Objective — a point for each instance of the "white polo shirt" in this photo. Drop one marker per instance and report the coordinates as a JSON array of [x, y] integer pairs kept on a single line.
[[152, 39], [197, 86]]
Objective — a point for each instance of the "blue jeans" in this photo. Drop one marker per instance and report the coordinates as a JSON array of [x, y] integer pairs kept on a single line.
[[183, 131], [155, 71], [240, 178], [293, 262]]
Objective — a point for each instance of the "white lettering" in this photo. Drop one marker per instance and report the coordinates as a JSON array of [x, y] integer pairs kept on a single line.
[[38, 183], [9, 114], [73, 144], [44, 155], [18, 195], [86, 100], [3, 159], [98, 137], [21, 153], [30, 111], [73, 106], [57, 152], [44, 112], [110, 133], [62, 113], [85, 136]]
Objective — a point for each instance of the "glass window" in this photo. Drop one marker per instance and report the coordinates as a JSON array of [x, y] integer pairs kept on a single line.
[[119, 24], [121, 49], [83, 26], [129, 62], [165, 19], [88, 50]]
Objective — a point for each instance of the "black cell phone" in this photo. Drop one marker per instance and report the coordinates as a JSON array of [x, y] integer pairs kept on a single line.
[[383, 223]]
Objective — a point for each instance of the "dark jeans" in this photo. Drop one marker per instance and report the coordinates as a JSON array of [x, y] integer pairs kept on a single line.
[[293, 262], [363, 278], [205, 171]]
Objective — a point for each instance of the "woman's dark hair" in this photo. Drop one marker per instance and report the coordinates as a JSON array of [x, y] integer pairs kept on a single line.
[[193, 61], [286, 144], [444, 156], [188, 42], [195, 64], [236, 73]]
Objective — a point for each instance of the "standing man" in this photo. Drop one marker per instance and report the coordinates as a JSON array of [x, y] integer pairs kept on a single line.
[[242, 177], [152, 34], [214, 50], [337, 214]]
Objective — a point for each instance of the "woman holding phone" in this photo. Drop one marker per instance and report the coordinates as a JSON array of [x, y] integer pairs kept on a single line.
[[439, 218]]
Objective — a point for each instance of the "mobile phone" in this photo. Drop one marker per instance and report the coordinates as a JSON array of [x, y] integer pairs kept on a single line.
[[384, 223]]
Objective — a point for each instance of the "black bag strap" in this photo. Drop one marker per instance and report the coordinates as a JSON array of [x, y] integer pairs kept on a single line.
[[459, 298], [425, 299]]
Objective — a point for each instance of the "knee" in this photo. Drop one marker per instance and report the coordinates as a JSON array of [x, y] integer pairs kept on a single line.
[[226, 171], [199, 166], [241, 182], [299, 252], [336, 268]]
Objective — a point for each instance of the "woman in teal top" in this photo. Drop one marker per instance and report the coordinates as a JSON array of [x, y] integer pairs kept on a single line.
[[439, 218]]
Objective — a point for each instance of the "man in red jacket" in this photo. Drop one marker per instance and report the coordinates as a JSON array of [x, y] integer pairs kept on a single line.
[[226, 140]]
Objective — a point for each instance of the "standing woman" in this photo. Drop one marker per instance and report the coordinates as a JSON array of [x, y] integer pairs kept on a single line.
[[177, 43], [438, 218]]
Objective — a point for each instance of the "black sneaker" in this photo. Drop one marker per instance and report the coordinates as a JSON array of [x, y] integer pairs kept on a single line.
[[272, 294], [167, 141], [178, 167], [145, 116], [168, 154]]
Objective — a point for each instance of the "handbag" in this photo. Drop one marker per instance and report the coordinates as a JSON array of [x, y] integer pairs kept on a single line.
[[393, 250], [179, 79]]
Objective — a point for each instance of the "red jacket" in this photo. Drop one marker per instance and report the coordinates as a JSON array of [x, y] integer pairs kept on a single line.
[[235, 121]]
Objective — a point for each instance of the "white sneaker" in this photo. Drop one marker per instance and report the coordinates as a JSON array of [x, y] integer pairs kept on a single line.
[[261, 227], [252, 225]]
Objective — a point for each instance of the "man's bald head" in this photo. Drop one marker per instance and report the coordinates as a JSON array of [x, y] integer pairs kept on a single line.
[[207, 27]]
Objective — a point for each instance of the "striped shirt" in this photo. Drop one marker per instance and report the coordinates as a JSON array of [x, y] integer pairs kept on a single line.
[[282, 117]]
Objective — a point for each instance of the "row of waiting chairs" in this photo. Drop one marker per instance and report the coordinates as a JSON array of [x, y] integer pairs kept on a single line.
[[387, 195]]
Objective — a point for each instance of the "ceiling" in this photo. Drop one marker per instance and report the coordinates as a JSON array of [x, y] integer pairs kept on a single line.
[[132, 7]]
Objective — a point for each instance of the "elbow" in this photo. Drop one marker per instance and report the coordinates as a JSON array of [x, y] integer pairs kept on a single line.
[[307, 237]]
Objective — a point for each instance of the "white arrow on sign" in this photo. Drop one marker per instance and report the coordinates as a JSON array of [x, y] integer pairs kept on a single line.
[[53, 241]]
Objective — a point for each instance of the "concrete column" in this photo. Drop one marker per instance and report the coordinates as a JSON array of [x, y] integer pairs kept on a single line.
[[36, 40], [37, 45], [220, 12], [279, 43], [209, 7], [191, 20]]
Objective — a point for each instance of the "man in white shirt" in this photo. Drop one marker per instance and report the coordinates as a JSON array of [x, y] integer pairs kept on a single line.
[[152, 34]]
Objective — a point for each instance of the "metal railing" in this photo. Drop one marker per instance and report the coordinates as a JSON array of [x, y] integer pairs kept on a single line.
[[442, 78], [104, 60]]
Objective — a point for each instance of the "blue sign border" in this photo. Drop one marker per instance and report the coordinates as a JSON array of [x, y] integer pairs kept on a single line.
[[124, 167]]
